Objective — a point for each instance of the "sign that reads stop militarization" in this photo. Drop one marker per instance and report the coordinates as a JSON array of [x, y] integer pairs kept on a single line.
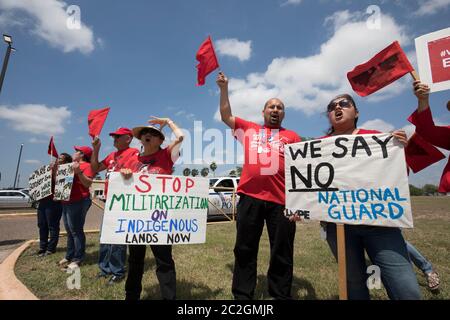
[[350, 179], [155, 209]]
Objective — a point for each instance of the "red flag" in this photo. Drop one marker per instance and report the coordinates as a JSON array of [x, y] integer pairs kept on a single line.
[[207, 61], [96, 119], [421, 154], [52, 149], [384, 68]]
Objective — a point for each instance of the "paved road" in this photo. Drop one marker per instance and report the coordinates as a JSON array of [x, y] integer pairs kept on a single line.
[[15, 230]]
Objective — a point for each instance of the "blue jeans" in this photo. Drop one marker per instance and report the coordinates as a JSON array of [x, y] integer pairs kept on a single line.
[[419, 260], [74, 215], [112, 259], [386, 248], [48, 215]]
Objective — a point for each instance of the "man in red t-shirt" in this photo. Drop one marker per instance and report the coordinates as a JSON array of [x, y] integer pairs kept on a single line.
[[262, 198], [112, 257]]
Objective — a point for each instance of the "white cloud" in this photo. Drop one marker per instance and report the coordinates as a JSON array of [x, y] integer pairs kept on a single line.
[[431, 7], [49, 22], [308, 83], [36, 118], [293, 2], [32, 161], [36, 140], [377, 124], [234, 48]]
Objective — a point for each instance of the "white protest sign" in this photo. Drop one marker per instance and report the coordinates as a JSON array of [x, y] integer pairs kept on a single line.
[[40, 183], [433, 59], [350, 179], [155, 209], [63, 182]]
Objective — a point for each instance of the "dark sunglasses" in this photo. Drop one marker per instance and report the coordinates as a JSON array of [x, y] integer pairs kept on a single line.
[[343, 104], [152, 132]]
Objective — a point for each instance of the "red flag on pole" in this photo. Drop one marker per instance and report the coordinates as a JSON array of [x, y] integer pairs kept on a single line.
[[96, 119], [421, 154], [207, 61], [384, 68], [52, 149]]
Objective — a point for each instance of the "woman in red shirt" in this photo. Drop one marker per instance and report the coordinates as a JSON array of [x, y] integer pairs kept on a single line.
[[153, 160], [385, 246]]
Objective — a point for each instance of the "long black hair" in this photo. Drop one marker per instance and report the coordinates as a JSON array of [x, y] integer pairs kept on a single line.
[[67, 157], [349, 98]]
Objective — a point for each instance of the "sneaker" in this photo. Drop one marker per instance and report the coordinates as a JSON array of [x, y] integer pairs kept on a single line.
[[63, 263], [47, 253], [101, 275], [40, 253], [115, 279], [73, 265], [433, 280]]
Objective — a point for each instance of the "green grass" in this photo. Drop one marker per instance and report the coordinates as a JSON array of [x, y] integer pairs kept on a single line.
[[205, 271]]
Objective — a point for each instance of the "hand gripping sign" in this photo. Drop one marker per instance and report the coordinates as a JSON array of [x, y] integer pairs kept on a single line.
[[349, 179], [155, 209]]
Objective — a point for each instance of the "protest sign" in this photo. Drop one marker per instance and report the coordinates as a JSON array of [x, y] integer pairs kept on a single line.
[[155, 209], [349, 179], [63, 182], [433, 59], [40, 183]]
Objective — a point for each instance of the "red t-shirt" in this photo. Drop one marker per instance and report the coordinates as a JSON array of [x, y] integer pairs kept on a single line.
[[79, 191], [122, 159], [263, 172], [436, 135], [158, 163]]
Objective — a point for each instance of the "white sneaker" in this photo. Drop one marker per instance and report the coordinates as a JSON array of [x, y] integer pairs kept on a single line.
[[73, 265], [64, 262]]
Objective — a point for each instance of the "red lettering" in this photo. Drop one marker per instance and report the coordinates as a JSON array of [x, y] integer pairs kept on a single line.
[[141, 179], [189, 184], [164, 182], [176, 184]]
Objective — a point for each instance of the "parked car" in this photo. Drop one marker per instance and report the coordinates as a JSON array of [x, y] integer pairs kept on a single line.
[[221, 197], [16, 199]]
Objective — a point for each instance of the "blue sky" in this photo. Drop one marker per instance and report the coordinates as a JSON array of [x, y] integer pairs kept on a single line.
[[138, 57]]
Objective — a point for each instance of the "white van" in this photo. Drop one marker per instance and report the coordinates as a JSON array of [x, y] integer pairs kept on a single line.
[[221, 196]]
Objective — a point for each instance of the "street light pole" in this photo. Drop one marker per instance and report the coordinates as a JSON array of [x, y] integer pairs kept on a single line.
[[18, 163], [8, 40]]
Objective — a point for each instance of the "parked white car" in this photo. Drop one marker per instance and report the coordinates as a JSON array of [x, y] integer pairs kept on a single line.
[[221, 200], [15, 199]]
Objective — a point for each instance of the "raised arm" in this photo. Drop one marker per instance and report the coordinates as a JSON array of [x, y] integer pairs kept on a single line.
[[174, 146], [95, 164], [422, 92], [225, 108]]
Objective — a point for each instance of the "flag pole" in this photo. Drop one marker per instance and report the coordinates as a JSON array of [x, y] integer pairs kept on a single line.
[[414, 75], [341, 261]]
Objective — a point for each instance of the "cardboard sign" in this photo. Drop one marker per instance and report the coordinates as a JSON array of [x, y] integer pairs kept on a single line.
[[40, 183], [63, 182], [350, 179], [155, 209], [433, 59]]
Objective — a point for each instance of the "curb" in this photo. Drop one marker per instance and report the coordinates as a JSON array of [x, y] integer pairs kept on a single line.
[[20, 214], [12, 288]]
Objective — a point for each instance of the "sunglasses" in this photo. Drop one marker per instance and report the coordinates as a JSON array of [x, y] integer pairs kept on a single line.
[[343, 104], [152, 132]]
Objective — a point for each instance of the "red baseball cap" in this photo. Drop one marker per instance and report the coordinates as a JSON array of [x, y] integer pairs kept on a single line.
[[122, 131], [87, 151]]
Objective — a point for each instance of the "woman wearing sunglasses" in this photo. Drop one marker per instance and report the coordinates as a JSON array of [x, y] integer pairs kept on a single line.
[[385, 246], [153, 160]]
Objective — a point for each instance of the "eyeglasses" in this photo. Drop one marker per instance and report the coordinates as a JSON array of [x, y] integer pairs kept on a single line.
[[343, 104]]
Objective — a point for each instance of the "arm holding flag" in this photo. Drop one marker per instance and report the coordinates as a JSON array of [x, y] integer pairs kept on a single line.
[[95, 164], [225, 108]]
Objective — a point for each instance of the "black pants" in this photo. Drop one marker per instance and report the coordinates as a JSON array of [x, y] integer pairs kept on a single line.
[[165, 271], [49, 216], [251, 214]]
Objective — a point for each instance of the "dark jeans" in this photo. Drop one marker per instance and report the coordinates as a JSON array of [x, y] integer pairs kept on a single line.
[[112, 258], [165, 271], [251, 214], [49, 215], [74, 215], [386, 248]]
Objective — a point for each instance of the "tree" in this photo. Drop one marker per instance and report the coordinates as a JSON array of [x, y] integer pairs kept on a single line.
[[194, 172], [414, 191], [429, 189], [232, 173], [213, 167], [186, 172], [204, 172], [238, 171]]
